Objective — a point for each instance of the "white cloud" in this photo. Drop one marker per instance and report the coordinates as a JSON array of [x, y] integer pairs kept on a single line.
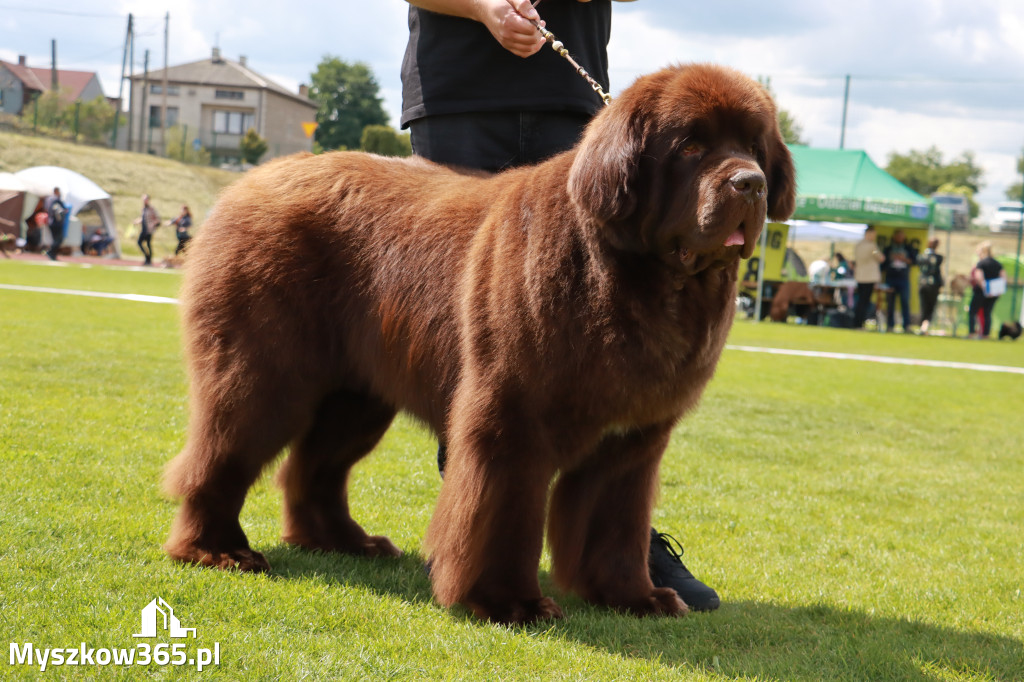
[[947, 73]]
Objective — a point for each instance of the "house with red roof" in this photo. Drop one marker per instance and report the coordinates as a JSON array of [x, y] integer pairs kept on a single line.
[[20, 83]]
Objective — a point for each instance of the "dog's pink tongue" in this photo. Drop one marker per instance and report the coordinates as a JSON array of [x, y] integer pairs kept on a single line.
[[735, 239]]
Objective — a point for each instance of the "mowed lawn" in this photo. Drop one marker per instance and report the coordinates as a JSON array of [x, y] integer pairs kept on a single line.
[[861, 521]]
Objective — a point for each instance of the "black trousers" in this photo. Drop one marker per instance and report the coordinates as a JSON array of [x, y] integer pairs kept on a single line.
[[57, 235], [494, 141], [980, 313], [146, 246], [929, 294], [860, 310]]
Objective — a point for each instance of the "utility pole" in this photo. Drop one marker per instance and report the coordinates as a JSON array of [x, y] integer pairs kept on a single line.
[[1016, 264], [163, 104], [846, 103], [131, 84], [54, 80], [143, 117], [120, 91]]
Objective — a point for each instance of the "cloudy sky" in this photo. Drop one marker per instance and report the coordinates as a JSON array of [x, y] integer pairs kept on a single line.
[[948, 73]]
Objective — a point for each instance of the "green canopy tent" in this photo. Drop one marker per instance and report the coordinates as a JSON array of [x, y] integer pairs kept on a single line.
[[845, 186]]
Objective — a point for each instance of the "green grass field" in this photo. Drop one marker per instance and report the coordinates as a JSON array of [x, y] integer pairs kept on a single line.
[[861, 521]]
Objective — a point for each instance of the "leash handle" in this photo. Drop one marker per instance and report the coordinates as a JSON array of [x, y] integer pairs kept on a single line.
[[560, 48]]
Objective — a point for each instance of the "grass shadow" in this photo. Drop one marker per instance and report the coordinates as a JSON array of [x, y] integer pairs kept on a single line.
[[741, 639]]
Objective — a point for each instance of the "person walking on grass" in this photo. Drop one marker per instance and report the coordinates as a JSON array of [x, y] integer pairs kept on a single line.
[[56, 214], [148, 222], [988, 279], [867, 271]]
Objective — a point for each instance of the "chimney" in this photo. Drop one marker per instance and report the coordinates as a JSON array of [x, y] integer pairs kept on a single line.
[[303, 90], [21, 60], [216, 54], [242, 59]]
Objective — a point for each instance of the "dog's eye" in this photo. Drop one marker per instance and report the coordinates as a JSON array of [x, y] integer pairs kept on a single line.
[[692, 149], [753, 149]]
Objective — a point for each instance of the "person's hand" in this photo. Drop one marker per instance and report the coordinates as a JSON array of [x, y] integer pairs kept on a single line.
[[508, 21]]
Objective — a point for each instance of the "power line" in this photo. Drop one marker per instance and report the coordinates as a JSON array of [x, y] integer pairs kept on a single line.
[[40, 10]]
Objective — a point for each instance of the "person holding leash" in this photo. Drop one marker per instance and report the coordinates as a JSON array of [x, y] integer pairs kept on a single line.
[[478, 92]]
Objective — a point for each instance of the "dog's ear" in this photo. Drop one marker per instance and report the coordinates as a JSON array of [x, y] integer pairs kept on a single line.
[[781, 177], [604, 172]]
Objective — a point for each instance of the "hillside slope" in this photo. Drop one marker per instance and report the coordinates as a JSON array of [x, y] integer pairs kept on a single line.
[[126, 176]]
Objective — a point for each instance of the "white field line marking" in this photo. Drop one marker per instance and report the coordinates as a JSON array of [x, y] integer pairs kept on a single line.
[[748, 349], [880, 358], [95, 294]]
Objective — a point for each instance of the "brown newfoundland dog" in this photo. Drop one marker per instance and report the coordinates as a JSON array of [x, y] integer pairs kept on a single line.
[[549, 323]]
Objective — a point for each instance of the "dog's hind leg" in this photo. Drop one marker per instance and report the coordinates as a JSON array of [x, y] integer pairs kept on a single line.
[[315, 476], [232, 436], [599, 524]]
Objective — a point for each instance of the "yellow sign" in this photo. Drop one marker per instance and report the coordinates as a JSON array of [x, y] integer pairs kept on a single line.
[[776, 235], [309, 127]]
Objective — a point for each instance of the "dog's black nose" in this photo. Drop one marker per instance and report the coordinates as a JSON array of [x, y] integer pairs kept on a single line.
[[749, 183]]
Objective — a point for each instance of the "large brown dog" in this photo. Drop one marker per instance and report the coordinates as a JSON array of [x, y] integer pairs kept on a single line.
[[550, 321]]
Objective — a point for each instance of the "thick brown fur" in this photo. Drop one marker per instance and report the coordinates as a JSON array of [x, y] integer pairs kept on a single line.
[[550, 323]]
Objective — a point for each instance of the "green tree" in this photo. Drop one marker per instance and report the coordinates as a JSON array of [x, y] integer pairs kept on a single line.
[[1013, 192], [386, 141], [253, 146], [55, 111], [792, 131], [179, 148], [49, 111], [349, 99], [96, 119], [925, 172]]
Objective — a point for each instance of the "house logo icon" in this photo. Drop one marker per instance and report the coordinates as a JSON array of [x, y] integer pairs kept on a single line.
[[170, 623]]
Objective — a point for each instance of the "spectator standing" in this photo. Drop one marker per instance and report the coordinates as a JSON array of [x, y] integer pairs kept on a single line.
[[147, 222], [989, 281], [56, 212], [867, 260], [899, 256], [930, 282], [476, 94], [181, 225]]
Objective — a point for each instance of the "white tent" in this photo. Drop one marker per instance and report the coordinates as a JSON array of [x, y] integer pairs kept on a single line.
[[79, 192], [12, 193]]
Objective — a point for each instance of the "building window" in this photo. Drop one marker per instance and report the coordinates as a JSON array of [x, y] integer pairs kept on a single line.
[[154, 116], [229, 94], [232, 122], [158, 89]]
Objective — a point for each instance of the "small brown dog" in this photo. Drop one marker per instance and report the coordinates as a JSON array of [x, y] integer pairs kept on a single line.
[[550, 323]]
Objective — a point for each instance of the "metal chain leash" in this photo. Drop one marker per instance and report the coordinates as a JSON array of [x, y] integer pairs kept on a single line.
[[558, 47]]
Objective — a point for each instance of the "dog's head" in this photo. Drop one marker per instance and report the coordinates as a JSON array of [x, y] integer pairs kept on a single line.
[[686, 164]]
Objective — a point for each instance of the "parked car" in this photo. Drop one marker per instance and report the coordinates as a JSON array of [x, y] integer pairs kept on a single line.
[[957, 204], [1008, 216]]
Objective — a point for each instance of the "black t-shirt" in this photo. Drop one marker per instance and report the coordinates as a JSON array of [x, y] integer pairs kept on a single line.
[[930, 265], [990, 268], [454, 65]]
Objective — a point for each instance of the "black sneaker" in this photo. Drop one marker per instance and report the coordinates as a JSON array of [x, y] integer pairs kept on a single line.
[[667, 570]]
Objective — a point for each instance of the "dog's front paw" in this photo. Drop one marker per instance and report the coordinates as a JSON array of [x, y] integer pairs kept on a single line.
[[663, 601], [245, 560], [521, 612], [380, 546]]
